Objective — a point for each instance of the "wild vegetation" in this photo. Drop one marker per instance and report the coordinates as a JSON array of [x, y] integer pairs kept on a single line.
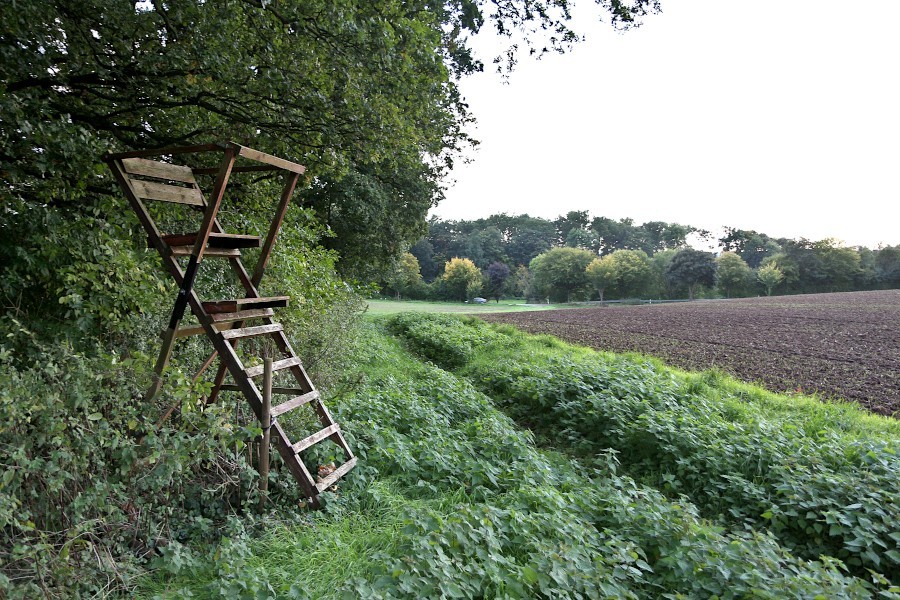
[[455, 499], [816, 477]]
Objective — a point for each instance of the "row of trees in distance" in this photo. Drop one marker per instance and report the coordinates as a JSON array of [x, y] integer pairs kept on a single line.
[[576, 257]]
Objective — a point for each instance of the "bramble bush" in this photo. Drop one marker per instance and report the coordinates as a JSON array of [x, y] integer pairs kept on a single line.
[[820, 491], [93, 491]]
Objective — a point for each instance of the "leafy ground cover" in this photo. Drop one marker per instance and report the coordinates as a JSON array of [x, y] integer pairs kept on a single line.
[[453, 498], [819, 477], [835, 345]]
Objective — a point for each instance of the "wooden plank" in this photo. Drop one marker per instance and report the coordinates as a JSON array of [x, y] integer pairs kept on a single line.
[[213, 252], [160, 170], [216, 240], [315, 438], [270, 160], [293, 403], [184, 332], [230, 306], [338, 473], [242, 315], [277, 366], [245, 332], [289, 391], [150, 190], [248, 169]]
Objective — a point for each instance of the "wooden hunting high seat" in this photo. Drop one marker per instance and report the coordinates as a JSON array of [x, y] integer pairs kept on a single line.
[[225, 322]]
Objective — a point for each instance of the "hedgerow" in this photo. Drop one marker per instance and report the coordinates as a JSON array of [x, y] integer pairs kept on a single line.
[[821, 491], [95, 488]]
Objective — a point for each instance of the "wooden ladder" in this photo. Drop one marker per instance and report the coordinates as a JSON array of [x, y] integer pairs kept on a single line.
[[226, 322]]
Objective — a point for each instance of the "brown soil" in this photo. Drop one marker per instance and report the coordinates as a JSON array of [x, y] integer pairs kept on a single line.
[[843, 345]]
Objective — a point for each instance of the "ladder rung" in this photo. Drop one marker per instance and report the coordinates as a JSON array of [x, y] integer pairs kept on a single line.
[[315, 438], [245, 332], [215, 240], [242, 315], [230, 306], [276, 366], [232, 387], [338, 473], [184, 332], [211, 252], [294, 403]]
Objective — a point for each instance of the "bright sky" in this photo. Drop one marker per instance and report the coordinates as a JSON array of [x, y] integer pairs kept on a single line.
[[778, 116]]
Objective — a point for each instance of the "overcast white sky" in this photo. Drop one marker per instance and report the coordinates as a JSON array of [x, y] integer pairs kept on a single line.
[[776, 116]]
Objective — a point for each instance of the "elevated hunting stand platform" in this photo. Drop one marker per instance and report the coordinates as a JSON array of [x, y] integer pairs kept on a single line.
[[144, 177]]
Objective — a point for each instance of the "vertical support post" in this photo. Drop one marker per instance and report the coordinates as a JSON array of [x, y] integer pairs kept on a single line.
[[266, 419]]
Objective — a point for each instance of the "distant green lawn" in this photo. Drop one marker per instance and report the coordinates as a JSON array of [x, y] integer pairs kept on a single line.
[[383, 307]]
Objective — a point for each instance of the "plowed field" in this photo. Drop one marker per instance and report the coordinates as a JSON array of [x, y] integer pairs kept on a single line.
[[835, 345]]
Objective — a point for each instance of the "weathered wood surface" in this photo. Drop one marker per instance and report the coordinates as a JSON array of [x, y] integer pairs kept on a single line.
[[293, 403], [160, 170], [278, 365], [230, 306], [315, 438], [164, 192], [242, 315], [337, 474], [246, 332]]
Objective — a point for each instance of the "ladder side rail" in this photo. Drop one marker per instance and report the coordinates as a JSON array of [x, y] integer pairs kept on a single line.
[[174, 269]]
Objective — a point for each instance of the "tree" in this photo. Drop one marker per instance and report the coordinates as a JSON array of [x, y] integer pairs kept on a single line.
[[560, 273], [424, 253], [582, 238], [732, 274], [404, 274], [461, 278], [529, 241], [769, 275], [788, 266], [660, 263], [373, 212], [520, 282], [573, 220], [634, 272], [753, 247], [840, 265], [485, 246], [692, 268], [497, 274], [601, 273], [887, 266]]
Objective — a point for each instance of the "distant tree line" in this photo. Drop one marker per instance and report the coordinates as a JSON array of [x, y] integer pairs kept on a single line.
[[576, 257]]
